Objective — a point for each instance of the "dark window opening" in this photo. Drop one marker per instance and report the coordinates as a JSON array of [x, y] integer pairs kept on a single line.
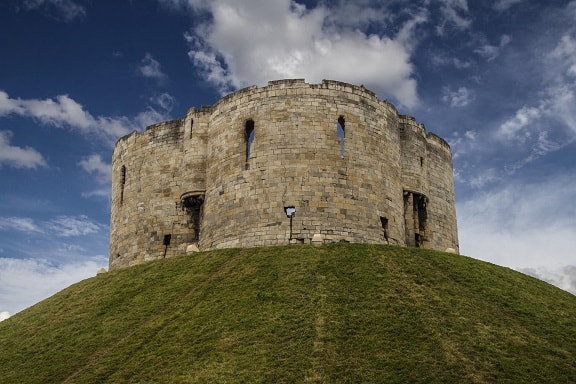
[[194, 207], [420, 207], [416, 218], [191, 125], [166, 243], [341, 130], [384, 223], [249, 137], [402, 131], [122, 182], [421, 161]]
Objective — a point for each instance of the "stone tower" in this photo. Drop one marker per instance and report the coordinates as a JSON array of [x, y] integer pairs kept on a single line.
[[288, 163]]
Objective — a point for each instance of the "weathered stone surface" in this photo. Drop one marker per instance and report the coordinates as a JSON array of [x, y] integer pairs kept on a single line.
[[192, 248], [224, 175]]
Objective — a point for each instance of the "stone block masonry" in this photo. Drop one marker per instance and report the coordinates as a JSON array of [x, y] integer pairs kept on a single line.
[[288, 163]]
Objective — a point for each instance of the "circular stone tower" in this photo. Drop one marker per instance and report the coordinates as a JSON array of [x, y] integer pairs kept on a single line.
[[289, 163]]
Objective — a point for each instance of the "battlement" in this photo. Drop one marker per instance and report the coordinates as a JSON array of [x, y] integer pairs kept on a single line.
[[286, 163]]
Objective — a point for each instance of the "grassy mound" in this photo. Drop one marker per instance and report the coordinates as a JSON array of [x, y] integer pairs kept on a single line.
[[343, 313]]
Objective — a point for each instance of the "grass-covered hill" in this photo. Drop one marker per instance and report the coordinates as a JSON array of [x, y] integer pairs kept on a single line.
[[344, 313]]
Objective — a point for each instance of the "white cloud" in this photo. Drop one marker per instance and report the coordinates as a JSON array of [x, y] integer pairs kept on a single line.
[[462, 144], [532, 132], [535, 131], [148, 117], [541, 146], [58, 112], [482, 178], [4, 315], [459, 98], [102, 173], [502, 5], [26, 282], [546, 122], [471, 135], [443, 60], [524, 117], [565, 52], [94, 165], [455, 13], [165, 101], [521, 224], [20, 224], [18, 157], [491, 52], [66, 226], [99, 193], [64, 112], [66, 10], [549, 123], [252, 42], [61, 226], [150, 68]]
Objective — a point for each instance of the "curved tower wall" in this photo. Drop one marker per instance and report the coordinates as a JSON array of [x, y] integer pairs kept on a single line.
[[146, 176], [413, 144], [224, 175], [295, 160], [442, 211]]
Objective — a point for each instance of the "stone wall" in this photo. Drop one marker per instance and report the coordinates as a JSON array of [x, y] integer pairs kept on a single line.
[[224, 175]]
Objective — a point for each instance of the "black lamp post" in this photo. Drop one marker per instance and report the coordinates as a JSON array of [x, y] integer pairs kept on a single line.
[[290, 212]]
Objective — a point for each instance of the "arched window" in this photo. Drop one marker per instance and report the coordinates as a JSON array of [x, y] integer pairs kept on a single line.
[[122, 182], [249, 136], [341, 127]]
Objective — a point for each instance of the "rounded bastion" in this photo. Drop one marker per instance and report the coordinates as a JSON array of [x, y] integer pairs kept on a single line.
[[288, 163]]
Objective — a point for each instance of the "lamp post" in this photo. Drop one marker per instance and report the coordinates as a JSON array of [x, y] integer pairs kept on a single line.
[[290, 212]]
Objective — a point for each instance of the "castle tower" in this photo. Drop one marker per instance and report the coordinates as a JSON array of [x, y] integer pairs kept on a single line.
[[287, 163]]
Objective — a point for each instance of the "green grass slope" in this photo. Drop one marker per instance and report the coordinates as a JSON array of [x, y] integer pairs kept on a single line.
[[343, 313]]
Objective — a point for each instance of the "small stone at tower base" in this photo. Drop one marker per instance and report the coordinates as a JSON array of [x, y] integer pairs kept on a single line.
[[192, 248]]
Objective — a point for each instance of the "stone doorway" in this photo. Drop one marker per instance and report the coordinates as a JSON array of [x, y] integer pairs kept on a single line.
[[416, 219]]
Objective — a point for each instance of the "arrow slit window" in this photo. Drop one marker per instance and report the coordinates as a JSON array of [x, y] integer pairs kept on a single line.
[[341, 130], [249, 137]]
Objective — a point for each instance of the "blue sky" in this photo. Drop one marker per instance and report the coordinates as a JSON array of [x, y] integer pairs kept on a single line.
[[495, 78]]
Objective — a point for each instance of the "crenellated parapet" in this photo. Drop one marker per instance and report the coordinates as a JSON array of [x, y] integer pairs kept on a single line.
[[288, 163]]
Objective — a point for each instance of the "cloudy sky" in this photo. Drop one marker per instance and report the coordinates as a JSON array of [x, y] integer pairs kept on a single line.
[[495, 78]]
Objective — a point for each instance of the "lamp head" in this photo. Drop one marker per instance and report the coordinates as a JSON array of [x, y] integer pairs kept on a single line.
[[290, 211]]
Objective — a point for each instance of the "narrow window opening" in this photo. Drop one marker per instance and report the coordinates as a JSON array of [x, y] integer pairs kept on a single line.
[[194, 204], [421, 161], [249, 136], [422, 212], [384, 222], [122, 182], [402, 131], [166, 243], [341, 129], [191, 125]]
